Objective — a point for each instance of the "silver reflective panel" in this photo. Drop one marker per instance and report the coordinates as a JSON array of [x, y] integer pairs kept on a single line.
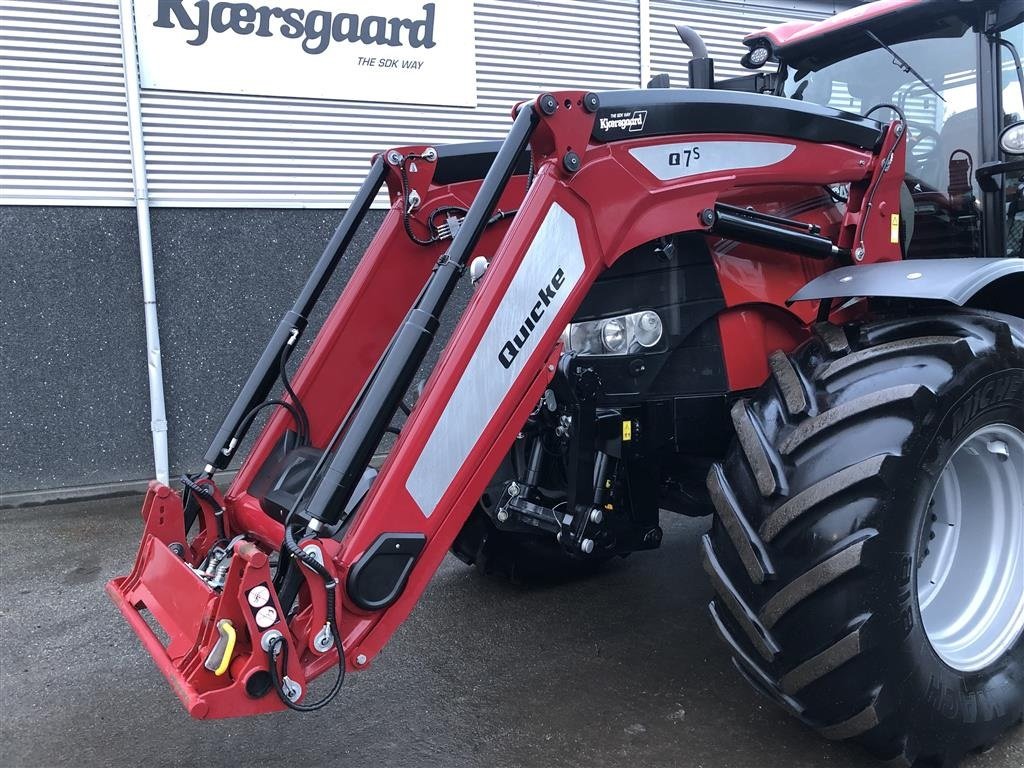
[[676, 160], [550, 269]]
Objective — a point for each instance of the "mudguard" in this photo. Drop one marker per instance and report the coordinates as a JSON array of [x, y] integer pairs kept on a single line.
[[954, 280]]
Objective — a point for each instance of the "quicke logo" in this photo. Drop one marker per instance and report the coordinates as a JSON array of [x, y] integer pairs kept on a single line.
[[624, 121], [514, 345], [316, 28]]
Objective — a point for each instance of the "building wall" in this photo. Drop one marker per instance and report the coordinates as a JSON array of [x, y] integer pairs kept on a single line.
[[246, 192]]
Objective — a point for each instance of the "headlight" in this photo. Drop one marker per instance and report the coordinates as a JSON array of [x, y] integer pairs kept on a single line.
[[1012, 139], [614, 335]]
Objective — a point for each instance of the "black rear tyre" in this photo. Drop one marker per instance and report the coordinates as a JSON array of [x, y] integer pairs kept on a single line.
[[824, 520]]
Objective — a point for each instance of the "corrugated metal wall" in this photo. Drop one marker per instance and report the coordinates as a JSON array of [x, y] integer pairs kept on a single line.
[[64, 137], [255, 151], [63, 121]]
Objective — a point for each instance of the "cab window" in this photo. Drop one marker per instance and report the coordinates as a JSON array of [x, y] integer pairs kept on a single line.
[[940, 103]]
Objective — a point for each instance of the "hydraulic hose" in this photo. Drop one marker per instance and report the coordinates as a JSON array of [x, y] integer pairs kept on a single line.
[[205, 492], [330, 587]]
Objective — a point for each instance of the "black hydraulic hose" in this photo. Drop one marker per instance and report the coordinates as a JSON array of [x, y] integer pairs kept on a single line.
[[263, 375], [266, 404], [330, 587], [303, 426], [205, 492]]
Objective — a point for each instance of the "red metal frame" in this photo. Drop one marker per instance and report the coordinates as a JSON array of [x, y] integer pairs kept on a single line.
[[793, 32], [617, 204]]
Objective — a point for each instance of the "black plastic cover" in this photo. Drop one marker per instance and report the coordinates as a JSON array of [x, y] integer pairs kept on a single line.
[[379, 576], [664, 112]]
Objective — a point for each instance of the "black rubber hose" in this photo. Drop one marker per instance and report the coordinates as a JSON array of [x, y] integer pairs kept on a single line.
[[247, 419], [205, 492], [330, 586], [303, 426]]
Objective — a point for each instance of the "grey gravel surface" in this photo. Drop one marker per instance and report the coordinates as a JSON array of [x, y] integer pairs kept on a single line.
[[622, 669]]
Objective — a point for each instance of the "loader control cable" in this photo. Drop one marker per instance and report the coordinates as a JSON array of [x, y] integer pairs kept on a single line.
[[295, 407], [206, 492], [303, 426], [453, 214], [330, 588]]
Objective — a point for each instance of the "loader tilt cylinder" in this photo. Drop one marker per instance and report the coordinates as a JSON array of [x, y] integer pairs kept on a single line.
[[291, 325], [405, 355]]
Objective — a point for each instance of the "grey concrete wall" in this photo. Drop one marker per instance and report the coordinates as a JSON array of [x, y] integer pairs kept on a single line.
[[74, 404]]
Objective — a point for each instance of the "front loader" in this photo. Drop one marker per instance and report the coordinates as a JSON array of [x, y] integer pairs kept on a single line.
[[734, 299]]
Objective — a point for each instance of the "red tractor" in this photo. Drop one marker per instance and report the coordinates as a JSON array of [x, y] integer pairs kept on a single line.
[[794, 300]]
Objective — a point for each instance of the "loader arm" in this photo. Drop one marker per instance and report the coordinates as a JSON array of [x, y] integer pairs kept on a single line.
[[613, 171]]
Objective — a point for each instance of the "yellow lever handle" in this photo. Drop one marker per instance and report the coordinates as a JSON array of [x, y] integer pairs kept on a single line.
[[219, 658]]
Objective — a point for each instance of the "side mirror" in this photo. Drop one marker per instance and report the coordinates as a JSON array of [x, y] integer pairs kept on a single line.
[[1011, 140]]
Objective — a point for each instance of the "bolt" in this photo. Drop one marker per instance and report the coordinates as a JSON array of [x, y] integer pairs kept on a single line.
[[314, 550], [571, 162], [395, 157], [859, 254], [707, 217], [547, 104], [268, 638], [430, 154], [587, 545], [324, 640], [596, 516], [177, 549], [514, 489], [360, 660], [291, 689], [591, 102], [502, 515]]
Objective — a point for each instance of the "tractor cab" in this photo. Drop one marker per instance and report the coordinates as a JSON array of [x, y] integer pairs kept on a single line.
[[953, 70]]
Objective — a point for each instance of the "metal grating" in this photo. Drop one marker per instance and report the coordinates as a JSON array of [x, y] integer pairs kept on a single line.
[[64, 126], [723, 25], [217, 150]]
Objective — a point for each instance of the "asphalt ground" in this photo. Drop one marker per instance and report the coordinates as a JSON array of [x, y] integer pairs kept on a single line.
[[622, 669]]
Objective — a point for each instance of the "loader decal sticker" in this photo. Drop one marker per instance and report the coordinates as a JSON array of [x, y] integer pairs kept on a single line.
[[675, 161], [632, 122], [516, 343], [550, 269]]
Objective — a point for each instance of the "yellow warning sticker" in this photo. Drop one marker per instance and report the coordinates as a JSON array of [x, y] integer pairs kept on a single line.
[[894, 229], [627, 431]]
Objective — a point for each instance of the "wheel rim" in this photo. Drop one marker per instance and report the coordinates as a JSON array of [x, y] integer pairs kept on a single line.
[[970, 578]]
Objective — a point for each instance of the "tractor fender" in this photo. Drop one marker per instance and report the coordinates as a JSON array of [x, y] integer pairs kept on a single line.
[[953, 280]]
